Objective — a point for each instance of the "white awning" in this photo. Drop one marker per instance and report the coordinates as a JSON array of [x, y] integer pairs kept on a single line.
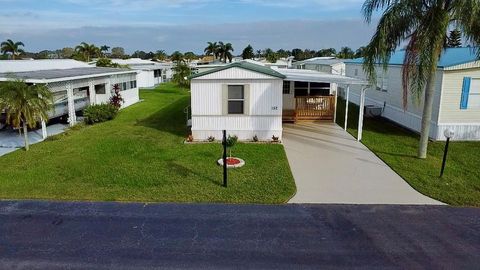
[[303, 75]]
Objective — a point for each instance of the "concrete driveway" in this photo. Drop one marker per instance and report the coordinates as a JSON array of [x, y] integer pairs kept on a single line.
[[330, 166]]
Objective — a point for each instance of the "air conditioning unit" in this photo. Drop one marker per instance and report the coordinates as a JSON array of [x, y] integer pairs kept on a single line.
[[373, 111]]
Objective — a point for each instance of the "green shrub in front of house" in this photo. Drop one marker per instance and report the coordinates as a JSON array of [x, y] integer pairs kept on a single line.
[[99, 113]]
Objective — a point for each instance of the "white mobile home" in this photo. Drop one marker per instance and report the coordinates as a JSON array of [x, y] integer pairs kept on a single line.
[[74, 84], [456, 99], [150, 73], [243, 98], [248, 100]]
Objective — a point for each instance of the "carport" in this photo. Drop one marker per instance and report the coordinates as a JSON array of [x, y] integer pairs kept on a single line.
[[324, 107]]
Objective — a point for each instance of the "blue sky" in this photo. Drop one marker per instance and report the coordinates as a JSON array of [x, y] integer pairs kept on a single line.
[[185, 25]]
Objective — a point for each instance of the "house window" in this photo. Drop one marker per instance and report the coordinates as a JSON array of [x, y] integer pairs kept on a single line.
[[236, 99], [474, 94], [124, 86], [356, 72], [301, 89], [382, 82], [157, 73], [319, 89], [133, 84], [100, 89], [286, 87]]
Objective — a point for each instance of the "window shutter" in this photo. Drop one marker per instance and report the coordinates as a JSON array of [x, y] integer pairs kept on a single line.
[[465, 93], [224, 99], [246, 103]]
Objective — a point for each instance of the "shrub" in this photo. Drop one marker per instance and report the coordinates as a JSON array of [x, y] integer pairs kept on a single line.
[[211, 139], [116, 99], [99, 113]]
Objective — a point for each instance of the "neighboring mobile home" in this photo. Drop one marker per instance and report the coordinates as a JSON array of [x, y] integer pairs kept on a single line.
[[74, 84], [249, 99], [456, 100], [150, 73]]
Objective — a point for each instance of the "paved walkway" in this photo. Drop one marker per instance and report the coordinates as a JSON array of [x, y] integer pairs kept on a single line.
[[330, 166], [54, 235], [10, 140]]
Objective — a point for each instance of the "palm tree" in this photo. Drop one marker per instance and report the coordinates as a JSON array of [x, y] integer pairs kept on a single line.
[[87, 50], [345, 53], [11, 47], [25, 104], [177, 57], [424, 25], [224, 50], [104, 49], [161, 55], [212, 49], [190, 56]]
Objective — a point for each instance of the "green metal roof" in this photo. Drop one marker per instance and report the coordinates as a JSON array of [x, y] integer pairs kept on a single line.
[[245, 65]]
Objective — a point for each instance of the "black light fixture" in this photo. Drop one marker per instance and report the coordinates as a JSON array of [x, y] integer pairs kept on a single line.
[[448, 134], [224, 143]]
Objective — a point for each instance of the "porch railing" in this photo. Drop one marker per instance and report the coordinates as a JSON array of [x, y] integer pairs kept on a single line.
[[315, 108]]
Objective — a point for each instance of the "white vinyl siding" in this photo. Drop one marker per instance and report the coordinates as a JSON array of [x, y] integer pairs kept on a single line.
[[262, 114], [392, 99], [451, 112]]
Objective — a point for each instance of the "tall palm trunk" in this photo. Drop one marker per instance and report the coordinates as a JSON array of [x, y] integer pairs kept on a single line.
[[427, 116], [25, 135]]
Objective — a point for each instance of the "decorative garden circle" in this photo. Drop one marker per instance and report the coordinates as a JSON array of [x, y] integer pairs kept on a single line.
[[232, 162]]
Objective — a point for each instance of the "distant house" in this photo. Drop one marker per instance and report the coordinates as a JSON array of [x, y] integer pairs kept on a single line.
[[456, 101], [323, 64], [249, 99], [150, 73], [74, 84]]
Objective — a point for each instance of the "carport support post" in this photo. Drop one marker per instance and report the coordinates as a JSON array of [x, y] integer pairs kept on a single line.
[[360, 115], [346, 106], [335, 113], [72, 118], [224, 143], [44, 129]]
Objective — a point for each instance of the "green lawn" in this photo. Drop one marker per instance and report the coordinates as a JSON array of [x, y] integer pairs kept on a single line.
[[140, 156], [397, 146]]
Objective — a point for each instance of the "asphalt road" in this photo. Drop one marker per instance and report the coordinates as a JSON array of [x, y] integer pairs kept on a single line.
[[43, 235]]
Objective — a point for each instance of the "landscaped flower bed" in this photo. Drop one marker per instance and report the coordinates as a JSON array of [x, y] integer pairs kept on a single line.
[[232, 162]]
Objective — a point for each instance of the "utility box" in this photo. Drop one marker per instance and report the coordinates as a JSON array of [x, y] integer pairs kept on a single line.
[[372, 111]]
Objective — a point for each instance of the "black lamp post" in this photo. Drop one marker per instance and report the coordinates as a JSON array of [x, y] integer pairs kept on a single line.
[[448, 134], [224, 143]]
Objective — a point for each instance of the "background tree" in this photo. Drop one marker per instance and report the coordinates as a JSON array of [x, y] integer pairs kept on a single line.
[[25, 105], [346, 53], [106, 62], [139, 54], [259, 54], [211, 50], [360, 52], [118, 52], [298, 54], [454, 39], [161, 55], [190, 56], [270, 55], [67, 52], [181, 72], [88, 51], [424, 25], [177, 57], [104, 49], [225, 51], [12, 48], [283, 53], [248, 52]]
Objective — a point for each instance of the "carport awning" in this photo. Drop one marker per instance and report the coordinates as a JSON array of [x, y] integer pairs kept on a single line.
[[302, 75]]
